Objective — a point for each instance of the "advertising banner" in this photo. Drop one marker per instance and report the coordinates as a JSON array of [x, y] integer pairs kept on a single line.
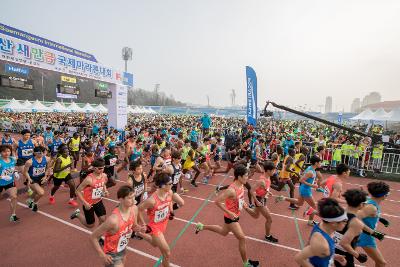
[[251, 80]]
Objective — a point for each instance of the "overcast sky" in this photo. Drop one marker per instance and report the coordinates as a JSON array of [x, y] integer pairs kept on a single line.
[[302, 51]]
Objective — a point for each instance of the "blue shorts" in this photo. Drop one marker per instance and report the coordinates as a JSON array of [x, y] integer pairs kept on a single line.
[[305, 191], [366, 241]]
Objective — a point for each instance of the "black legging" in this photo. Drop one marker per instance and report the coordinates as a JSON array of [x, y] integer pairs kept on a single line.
[[71, 185], [280, 185]]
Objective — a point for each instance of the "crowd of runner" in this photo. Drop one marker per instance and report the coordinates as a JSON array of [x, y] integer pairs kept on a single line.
[[186, 151]]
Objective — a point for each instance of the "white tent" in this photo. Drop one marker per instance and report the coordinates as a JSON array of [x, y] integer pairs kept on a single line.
[[135, 110], [74, 108], [144, 110], [14, 106], [365, 115], [152, 111], [89, 108], [394, 115], [380, 115], [101, 108], [38, 107], [26, 103], [58, 107]]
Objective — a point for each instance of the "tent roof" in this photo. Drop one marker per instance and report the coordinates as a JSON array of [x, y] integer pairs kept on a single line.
[[394, 115], [101, 108], [14, 105], [365, 115], [74, 107], [37, 106], [58, 107], [89, 108]]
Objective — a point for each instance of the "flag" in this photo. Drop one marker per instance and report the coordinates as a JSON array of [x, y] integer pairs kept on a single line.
[[251, 80]]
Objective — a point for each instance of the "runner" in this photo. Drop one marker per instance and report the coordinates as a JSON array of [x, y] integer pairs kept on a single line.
[[86, 166], [176, 174], [62, 173], [111, 160], [234, 203], [7, 178], [117, 229], [261, 192], [346, 240], [158, 208], [320, 251], [7, 139], [305, 189], [334, 183], [74, 146], [91, 192], [36, 169], [371, 214], [24, 149]]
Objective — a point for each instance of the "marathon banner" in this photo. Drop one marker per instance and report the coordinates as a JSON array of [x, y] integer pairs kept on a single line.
[[251, 80], [16, 47]]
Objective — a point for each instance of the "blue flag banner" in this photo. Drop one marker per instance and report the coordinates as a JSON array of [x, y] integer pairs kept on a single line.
[[339, 119], [251, 80]]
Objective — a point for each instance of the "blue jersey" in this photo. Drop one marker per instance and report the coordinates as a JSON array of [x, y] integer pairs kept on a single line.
[[7, 171], [136, 153], [55, 144], [323, 261], [48, 137], [372, 222], [305, 190], [7, 142], [25, 150], [37, 170]]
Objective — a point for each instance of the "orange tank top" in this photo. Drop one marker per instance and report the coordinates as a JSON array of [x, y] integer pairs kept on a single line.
[[117, 242], [235, 205], [159, 214], [261, 191], [284, 173], [94, 192], [329, 185]]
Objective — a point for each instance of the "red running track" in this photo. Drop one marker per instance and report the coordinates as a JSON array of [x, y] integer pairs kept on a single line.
[[50, 238]]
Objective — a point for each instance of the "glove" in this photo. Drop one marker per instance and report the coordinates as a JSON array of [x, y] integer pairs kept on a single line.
[[384, 222], [362, 257], [378, 235]]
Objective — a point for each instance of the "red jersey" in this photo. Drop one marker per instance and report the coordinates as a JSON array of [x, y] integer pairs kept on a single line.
[[329, 185], [235, 205], [159, 214], [117, 242], [93, 193], [261, 191]]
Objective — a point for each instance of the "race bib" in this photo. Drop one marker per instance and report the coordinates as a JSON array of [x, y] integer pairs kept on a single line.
[[326, 192], [38, 171], [97, 193], [27, 152], [113, 161], [176, 178], [161, 215], [241, 203], [139, 190], [337, 237], [7, 174], [123, 241]]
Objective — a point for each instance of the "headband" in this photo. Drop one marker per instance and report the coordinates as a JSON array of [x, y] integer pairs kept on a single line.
[[340, 218]]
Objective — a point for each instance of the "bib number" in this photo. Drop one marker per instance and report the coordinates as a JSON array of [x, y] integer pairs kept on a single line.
[[123, 241], [161, 215], [27, 152], [337, 237], [139, 190], [38, 171], [176, 178], [97, 193], [326, 192], [113, 161], [241, 203]]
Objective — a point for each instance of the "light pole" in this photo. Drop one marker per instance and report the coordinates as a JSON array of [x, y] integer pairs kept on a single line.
[[126, 55]]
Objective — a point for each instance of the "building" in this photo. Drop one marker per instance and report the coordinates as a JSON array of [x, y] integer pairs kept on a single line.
[[386, 105], [355, 105], [328, 104], [371, 98]]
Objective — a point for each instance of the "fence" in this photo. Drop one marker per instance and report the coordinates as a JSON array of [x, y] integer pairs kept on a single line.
[[359, 161]]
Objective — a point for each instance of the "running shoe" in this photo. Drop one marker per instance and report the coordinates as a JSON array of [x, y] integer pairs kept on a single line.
[[279, 199], [34, 207], [285, 188], [251, 205], [75, 214], [308, 211], [136, 237], [30, 192], [199, 227], [271, 239], [52, 200], [205, 180], [101, 242], [183, 190], [251, 263], [29, 201], [193, 183], [14, 218], [218, 188], [73, 203], [293, 207]]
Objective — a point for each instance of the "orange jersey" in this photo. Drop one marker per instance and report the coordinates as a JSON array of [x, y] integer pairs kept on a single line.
[[114, 243], [159, 214], [235, 205], [94, 192], [329, 185], [261, 191]]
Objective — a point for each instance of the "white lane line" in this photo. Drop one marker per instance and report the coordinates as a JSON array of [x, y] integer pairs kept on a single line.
[[89, 232]]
